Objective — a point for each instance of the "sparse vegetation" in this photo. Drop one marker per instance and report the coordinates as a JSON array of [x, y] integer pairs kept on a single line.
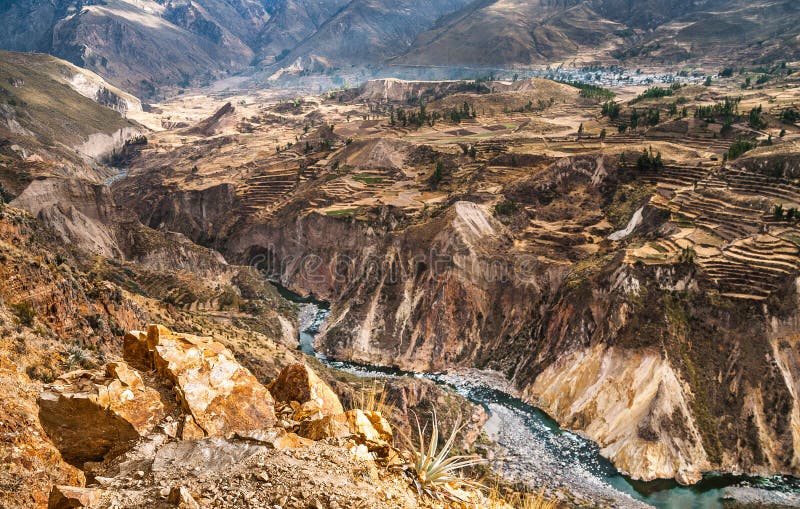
[[591, 91], [506, 208], [655, 93], [611, 110], [24, 312], [754, 119], [438, 174], [649, 160], [434, 469], [790, 116], [738, 148]]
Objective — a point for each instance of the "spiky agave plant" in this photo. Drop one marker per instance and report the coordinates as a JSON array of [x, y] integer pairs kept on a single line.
[[433, 469]]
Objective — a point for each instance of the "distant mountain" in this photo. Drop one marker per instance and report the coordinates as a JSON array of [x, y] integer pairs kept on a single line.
[[144, 45], [368, 31], [523, 32], [140, 45]]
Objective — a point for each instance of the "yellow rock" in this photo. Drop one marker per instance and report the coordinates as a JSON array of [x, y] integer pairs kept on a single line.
[[136, 351], [221, 396], [351, 424], [88, 414], [69, 497], [299, 383]]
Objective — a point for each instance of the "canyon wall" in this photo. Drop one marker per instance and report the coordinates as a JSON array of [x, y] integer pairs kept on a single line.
[[669, 380]]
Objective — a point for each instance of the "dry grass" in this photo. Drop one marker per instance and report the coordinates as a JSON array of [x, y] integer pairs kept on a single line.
[[534, 501], [371, 397]]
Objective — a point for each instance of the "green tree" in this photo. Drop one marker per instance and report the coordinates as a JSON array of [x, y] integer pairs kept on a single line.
[[438, 173]]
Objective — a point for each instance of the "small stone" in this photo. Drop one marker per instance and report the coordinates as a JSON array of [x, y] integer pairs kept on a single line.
[[70, 497], [181, 497]]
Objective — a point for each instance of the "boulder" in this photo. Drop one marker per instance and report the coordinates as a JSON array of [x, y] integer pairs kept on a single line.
[[70, 497], [299, 383], [136, 351], [220, 396], [88, 414], [351, 424]]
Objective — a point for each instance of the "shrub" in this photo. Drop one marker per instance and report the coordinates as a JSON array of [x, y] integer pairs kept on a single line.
[[41, 373], [649, 161], [433, 469], [739, 147], [506, 208], [438, 173], [24, 312], [790, 116]]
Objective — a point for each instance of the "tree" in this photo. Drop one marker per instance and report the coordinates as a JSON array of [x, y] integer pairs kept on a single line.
[[649, 160], [708, 82], [754, 119], [438, 173], [603, 134], [580, 130]]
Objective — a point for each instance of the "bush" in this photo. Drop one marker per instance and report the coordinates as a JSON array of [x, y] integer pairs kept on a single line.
[[24, 312], [754, 119], [438, 173], [739, 147], [506, 208], [41, 373], [790, 116]]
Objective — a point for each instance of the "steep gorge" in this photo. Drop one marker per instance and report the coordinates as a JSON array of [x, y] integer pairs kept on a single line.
[[669, 381]]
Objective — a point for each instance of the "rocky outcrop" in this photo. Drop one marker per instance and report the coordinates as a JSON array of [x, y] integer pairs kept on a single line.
[[299, 383], [219, 396], [337, 460], [89, 415]]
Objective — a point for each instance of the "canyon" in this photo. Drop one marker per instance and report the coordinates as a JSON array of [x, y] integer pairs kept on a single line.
[[624, 261], [653, 342]]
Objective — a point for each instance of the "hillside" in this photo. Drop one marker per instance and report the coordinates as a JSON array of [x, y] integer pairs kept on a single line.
[[609, 31], [57, 119], [139, 46]]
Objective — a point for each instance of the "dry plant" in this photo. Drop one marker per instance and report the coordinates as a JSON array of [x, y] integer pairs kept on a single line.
[[434, 471], [372, 397]]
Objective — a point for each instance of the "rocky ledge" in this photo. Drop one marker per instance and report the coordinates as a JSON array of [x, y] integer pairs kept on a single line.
[[180, 423]]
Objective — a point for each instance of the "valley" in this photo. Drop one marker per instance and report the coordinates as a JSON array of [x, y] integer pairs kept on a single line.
[[572, 226], [522, 202]]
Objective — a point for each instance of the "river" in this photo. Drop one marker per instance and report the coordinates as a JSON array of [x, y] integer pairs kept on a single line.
[[536, 451]]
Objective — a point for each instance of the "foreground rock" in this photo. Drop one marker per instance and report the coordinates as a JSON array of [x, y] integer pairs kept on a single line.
[[219, 396], [69, 497], [30, 462], [218, 445], [299, 383], [368, 427], [89, 414]]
